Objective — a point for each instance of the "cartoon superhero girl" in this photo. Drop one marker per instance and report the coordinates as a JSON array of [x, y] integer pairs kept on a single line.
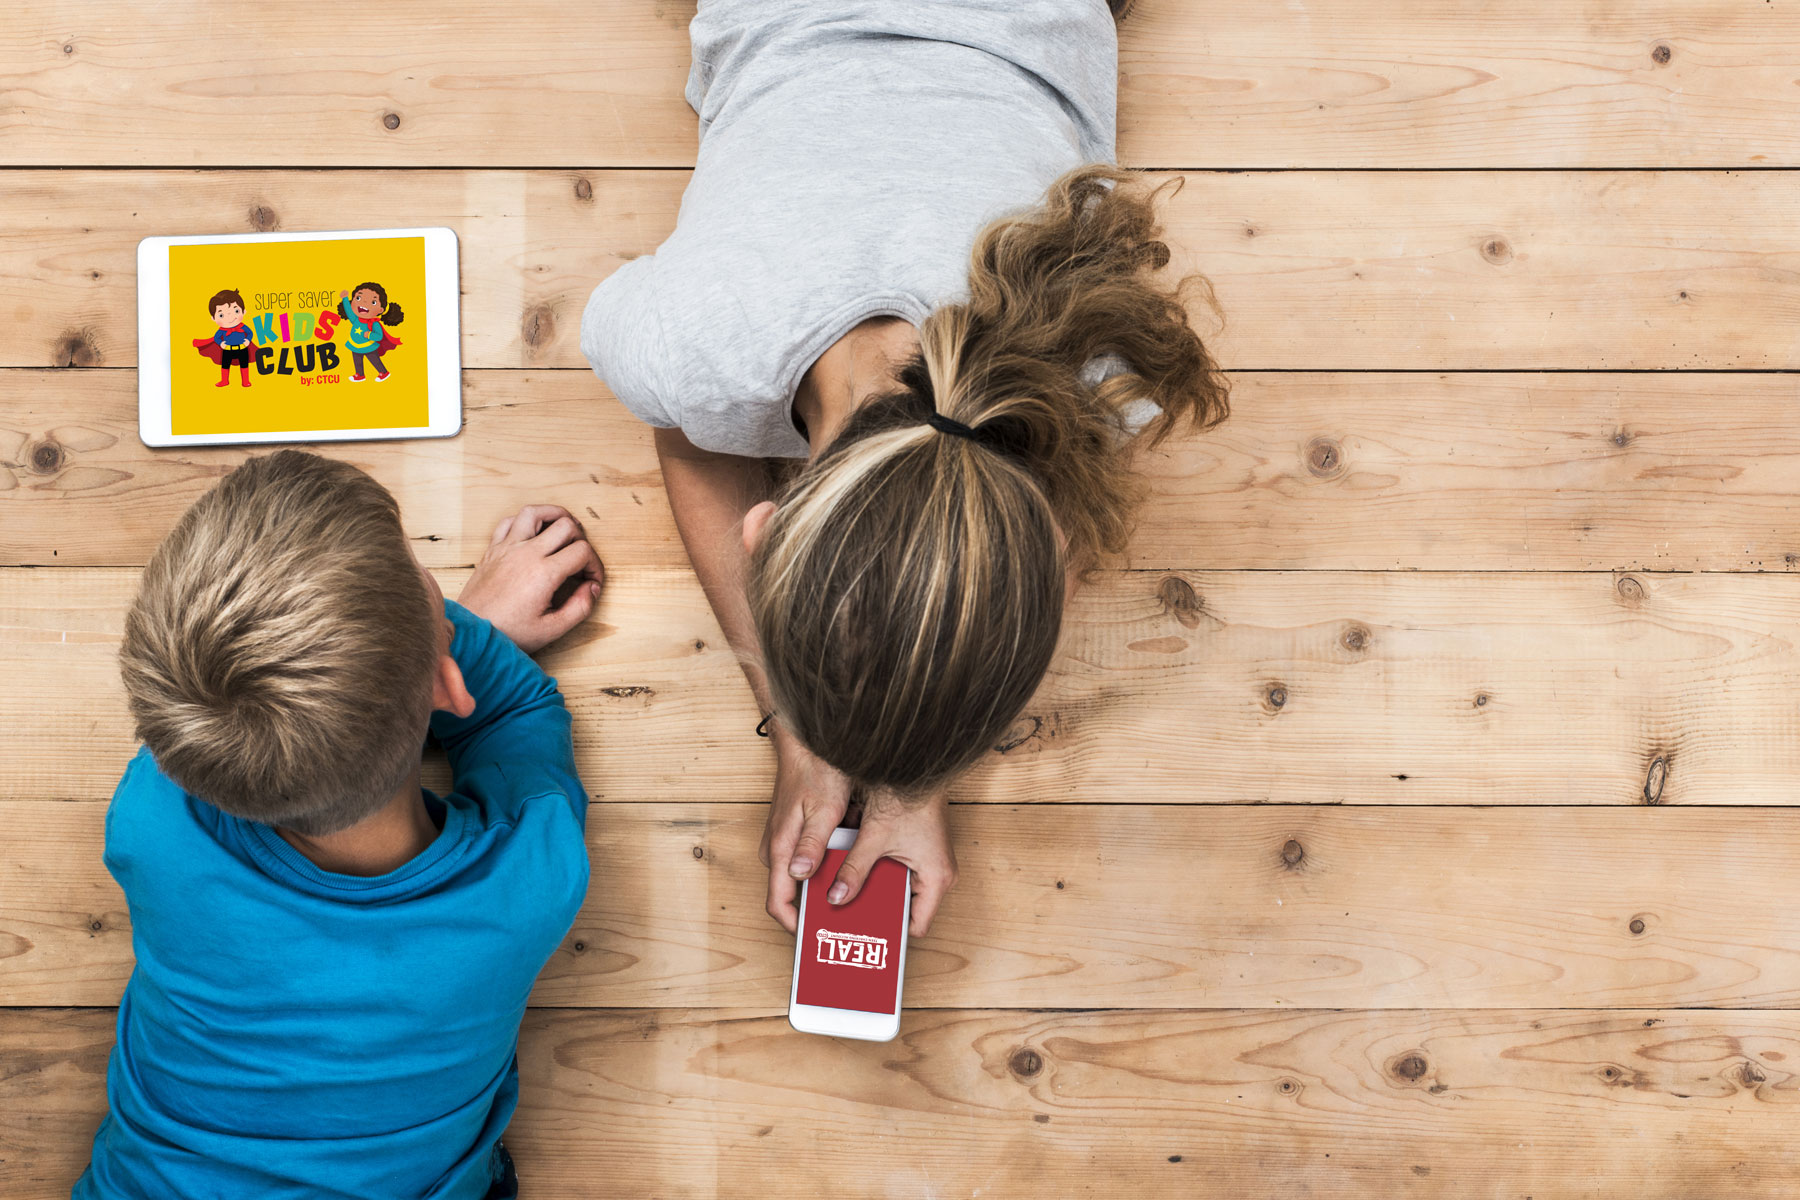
[[233, 343], [366, 312]]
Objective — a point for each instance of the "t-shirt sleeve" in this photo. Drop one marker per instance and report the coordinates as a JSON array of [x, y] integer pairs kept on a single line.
[[520, 726], [622, 337]]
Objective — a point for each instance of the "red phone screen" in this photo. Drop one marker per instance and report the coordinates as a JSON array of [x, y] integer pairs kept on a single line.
[[850, 954]]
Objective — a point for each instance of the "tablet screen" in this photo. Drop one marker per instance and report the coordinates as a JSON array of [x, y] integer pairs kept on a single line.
[[269, 337]]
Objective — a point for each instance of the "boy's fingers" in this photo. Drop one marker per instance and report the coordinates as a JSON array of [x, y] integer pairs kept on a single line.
[[576, 558], [532, 518], [574, 609], [557, 534]]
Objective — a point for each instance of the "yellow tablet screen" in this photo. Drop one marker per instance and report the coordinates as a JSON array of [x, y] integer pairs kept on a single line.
[[272, 337]]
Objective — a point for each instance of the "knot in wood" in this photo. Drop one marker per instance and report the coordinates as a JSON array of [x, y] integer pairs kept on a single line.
[[1662, 54], [699, 852], [538, 327], [46, 458], [1637, 925], [580, 947], [1288, 1087], [263, 218], [68, 47], [1410, 1066], [1631, 589], [1496, 251], [1481, 699], [1276, 696], [96, 925], [391, 120], [1621, 438], [1324, 457], [1355, 639], [75, 348], [1654, 779], [1026, 1062], [583, 189], [1180, 600], [1293, 853], [1751, 1075]]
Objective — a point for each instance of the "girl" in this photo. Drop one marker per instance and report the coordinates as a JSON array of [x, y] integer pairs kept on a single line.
[[967, 422], [366, 311]]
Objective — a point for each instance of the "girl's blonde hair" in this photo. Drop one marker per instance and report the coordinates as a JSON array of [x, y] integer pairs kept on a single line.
[[908, 590]]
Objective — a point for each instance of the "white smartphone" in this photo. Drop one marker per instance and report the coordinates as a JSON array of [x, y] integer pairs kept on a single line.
[[298, 337], [850, 961]]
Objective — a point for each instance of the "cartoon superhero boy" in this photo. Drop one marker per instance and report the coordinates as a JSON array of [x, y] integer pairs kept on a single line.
[[233, 343], [366, 311]]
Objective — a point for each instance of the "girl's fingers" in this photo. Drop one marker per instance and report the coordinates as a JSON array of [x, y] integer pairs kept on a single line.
[[929, 889], [500, 531]]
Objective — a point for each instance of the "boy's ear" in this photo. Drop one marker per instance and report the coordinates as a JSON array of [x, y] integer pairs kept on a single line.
[[754, 521], [448, 691]]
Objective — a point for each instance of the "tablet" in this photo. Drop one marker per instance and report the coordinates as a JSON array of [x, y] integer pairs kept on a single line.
[[298, 337]]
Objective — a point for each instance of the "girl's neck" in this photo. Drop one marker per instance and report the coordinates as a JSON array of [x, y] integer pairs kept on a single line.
[[858, 365]]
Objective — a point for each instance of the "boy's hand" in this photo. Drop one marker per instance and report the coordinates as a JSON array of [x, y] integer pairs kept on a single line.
[[914, 833], [810, 798], [523, 583]]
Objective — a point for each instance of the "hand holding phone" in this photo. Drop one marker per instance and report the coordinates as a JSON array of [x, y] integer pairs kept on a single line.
[[850, 959]]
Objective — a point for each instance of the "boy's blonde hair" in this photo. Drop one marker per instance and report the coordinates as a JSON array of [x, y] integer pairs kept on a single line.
[[279, 655]]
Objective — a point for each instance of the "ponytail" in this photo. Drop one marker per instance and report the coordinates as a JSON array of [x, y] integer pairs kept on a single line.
[[908, 590]]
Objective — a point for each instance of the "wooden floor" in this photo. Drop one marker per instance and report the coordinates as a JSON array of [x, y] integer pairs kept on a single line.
[[1405, 815]]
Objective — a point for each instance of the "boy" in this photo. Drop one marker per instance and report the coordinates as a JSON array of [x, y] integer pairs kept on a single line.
[[234, 343], [332, 963]]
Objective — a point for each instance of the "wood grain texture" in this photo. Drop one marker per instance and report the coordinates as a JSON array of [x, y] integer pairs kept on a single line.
[[1313, 270], [1663, 1105], [1079, 907], [1186, 688], [1314, 470], [1332, 83]]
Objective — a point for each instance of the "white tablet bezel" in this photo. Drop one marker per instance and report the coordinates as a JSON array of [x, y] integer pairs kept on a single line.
[[848, 1022], [443, 306]]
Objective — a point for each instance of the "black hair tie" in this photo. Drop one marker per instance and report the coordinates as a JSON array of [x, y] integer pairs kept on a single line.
[[954, 428]]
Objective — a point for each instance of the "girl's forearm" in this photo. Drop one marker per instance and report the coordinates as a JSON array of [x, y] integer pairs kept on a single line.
[[710, 493]]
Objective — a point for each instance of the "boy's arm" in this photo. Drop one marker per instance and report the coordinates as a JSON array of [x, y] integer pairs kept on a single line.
[[509, 608], [519, 712]]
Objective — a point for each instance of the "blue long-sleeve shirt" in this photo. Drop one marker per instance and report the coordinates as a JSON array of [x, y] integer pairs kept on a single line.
[[291, 1033]]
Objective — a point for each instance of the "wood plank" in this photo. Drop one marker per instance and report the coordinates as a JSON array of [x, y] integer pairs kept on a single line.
[[1342, 270], [1332, 84], [1284, 687], [527, 84], [1314, 470], [1416, 83], [1082, 906], [77, 487], [1666, 1105]]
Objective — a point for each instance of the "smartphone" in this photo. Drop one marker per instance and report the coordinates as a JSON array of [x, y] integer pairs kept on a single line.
[[851, 958]]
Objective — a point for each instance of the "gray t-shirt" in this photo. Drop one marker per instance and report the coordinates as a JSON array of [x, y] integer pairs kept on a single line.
[[850, 151]]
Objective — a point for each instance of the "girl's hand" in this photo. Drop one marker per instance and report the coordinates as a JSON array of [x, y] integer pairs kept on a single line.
[[810, 798], [915, 833], [534, 555]]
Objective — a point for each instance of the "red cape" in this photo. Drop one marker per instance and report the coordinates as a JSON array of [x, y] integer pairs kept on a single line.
[[211, 349]]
